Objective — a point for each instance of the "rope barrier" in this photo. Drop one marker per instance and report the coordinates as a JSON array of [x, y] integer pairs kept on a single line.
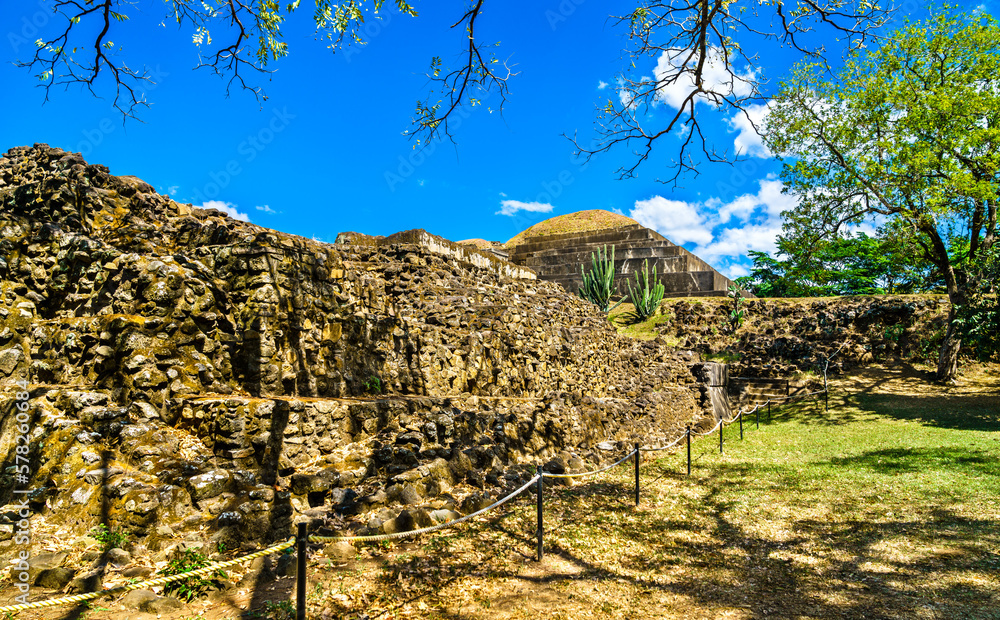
[[378, 537], [666, 447], [591, 473], [426, 530], [211, 568]]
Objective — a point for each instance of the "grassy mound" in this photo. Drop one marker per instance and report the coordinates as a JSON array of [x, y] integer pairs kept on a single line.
[[479, 244], [579, 222]]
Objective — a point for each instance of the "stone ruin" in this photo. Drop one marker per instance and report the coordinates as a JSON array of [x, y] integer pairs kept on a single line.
[[197, 378], [558, 257]]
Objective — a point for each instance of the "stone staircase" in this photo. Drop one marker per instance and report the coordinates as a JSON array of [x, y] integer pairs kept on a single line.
[[558, 258]]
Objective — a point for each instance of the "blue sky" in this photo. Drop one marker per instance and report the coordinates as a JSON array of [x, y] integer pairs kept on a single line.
[[326, 152]]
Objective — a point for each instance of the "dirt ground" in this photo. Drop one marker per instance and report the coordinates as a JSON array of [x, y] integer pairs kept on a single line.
[[886, 507]]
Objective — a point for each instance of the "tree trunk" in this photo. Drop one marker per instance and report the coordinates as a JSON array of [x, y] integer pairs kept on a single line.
[[947, 369]]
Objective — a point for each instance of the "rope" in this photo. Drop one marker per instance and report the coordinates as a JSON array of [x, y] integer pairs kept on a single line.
[[590, 473], [211, 568], [425, 530], [666, 447], [705, 434]]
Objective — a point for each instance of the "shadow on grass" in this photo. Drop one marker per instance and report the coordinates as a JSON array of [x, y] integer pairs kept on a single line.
[[903, 460], [815, 568], [972, 412]]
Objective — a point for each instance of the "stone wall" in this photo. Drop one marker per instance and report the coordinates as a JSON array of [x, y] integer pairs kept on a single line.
[[196, 376]]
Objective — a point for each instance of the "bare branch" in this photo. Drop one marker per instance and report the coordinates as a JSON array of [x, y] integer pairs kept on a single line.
[[691, 43]]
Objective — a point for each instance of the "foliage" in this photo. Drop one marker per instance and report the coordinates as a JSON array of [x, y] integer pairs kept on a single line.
[[192, 587], [695, 46], [276, 610], [646, 299], [737, 312], [979, 318], [905, 135], [372, 385], [844, 265], [599, 283], [115, 538]]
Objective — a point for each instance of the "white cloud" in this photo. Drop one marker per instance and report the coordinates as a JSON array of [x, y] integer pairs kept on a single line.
[[503, 195], [266, 209], [715, 77], [675, 219], [737, 241], [421, 182], [722, 233], [748, 141], [510, 207], [172, 190], [601, 85], [226, 207]]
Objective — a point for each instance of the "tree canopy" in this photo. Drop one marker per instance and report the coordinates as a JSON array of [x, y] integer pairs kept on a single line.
[[697, 46], [856, 264], [907, 136]]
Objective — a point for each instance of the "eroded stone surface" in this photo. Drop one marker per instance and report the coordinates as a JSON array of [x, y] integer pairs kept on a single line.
[[196, 376]]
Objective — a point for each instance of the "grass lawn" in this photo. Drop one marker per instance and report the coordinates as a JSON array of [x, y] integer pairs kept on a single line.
[[887, 507]]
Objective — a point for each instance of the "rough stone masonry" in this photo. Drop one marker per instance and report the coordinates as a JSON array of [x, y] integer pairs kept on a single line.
[[197, 378]]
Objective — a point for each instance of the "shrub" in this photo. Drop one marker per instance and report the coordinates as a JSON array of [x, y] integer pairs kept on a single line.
[[645, 299], [192, 587], [736, 312], [109, 539], [373, 385], [599, 284]]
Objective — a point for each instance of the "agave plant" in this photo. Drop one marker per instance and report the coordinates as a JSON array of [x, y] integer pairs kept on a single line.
[[646, 299], [599, 284]]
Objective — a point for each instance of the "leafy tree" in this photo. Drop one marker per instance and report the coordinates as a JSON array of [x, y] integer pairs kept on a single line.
[[908, 134], [847, 265], [979, 318], [701, 39]]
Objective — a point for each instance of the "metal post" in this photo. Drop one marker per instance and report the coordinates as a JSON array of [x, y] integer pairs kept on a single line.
[[636, 474], [539, 486], [722, 426], [826, 387], [756, 415], [689, 448], [768, 411], [741, 426], [300, 573]]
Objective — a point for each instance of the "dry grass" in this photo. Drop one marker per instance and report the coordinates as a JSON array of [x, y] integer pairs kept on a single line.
[[886, 507], [579, 222]]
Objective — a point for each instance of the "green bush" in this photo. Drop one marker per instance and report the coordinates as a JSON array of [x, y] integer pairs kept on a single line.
[[109, 539], [737, 313], [276, 610], [192, 587], [373, 385], [599, 283], [646, 299]]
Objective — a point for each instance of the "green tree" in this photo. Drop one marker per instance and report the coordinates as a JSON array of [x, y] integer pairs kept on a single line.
[[699, 36], [908, 135]]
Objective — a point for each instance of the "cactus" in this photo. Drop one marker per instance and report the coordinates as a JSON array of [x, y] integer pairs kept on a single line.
[[645, 299], [599, 284]]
